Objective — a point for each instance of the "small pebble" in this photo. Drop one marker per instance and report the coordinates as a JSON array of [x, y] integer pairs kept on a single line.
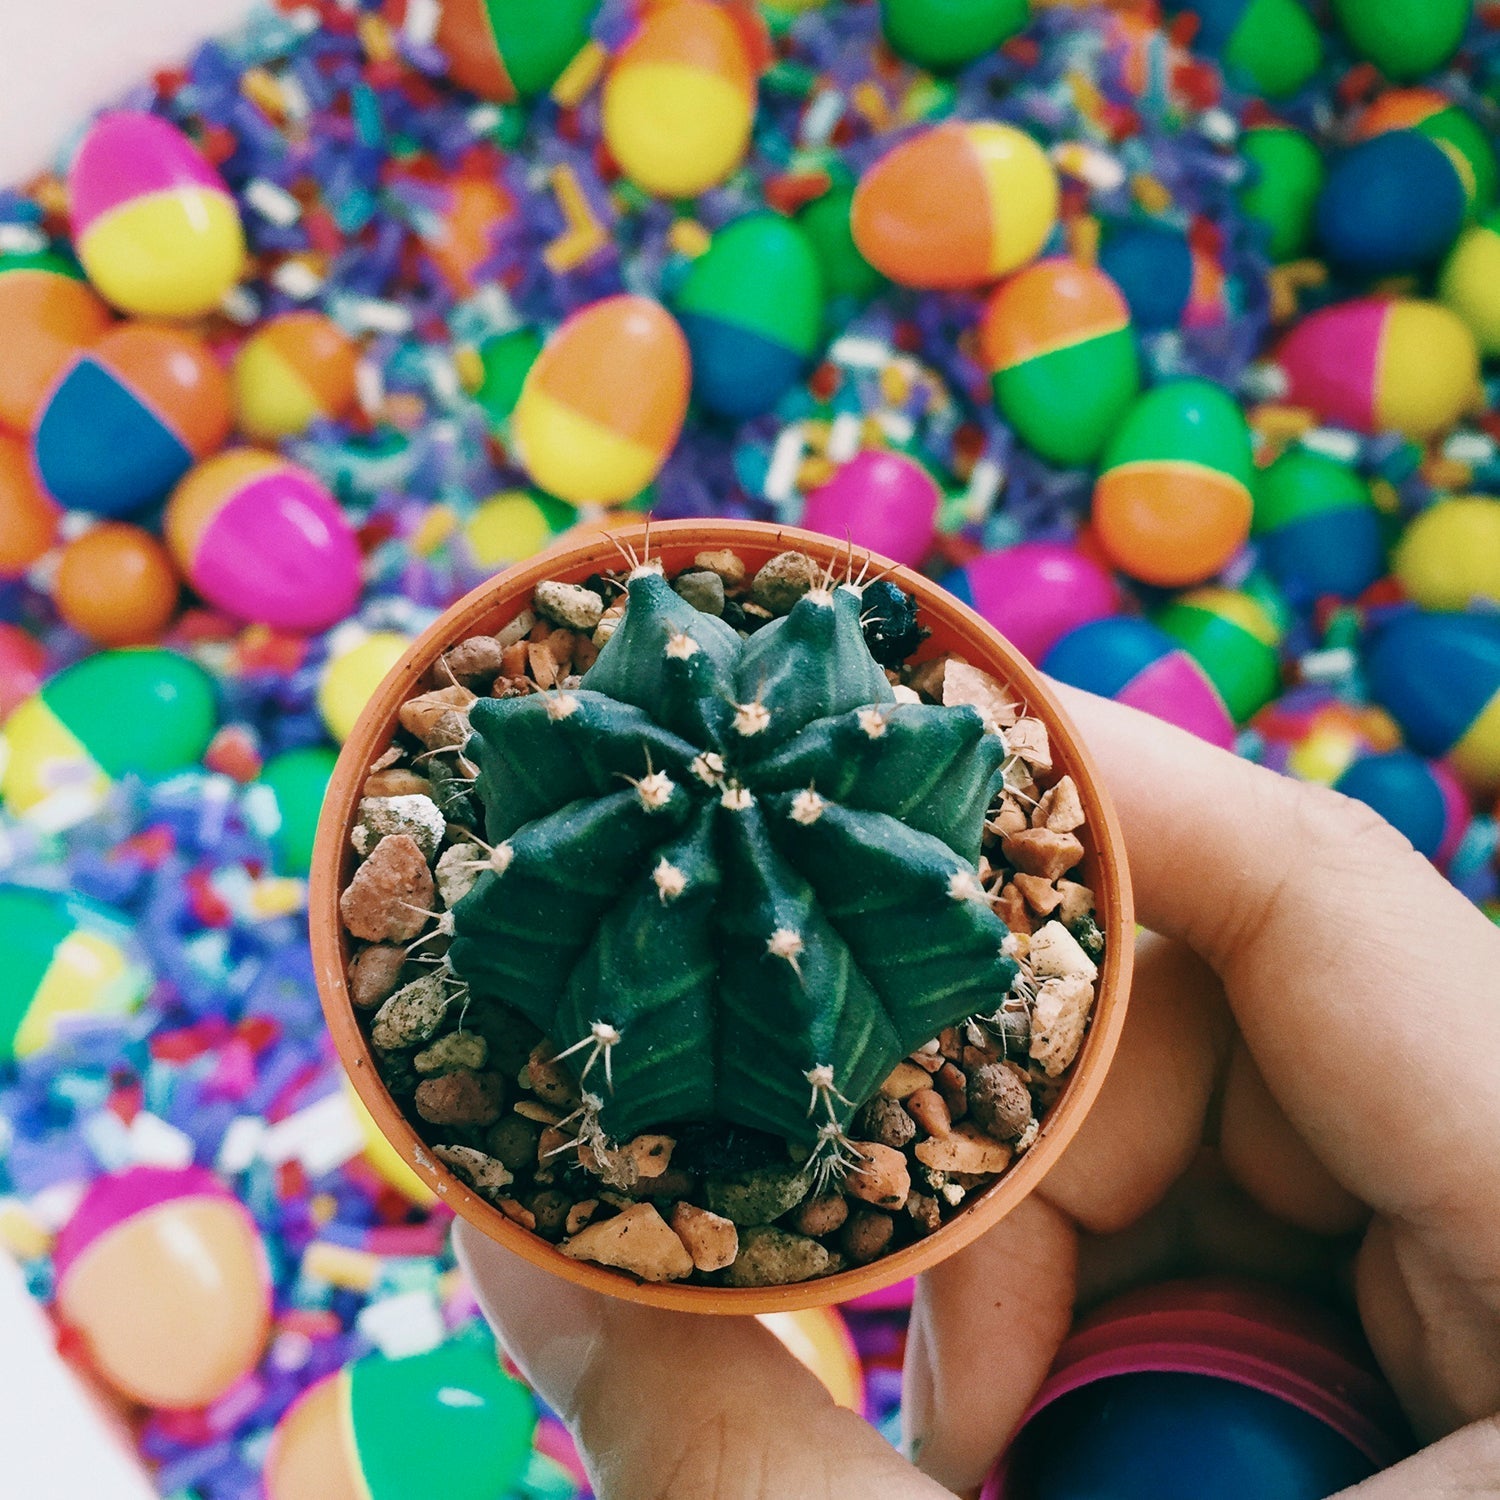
[[773, 1257], [474, 663], [820, 1216], [995, 704], [374, 973], [1075, 902], [728, 565], [637, 1240], [459, 1049], [463, 1098], [391, 892], [580, 1214], [456, 872], [483, 1173], [783, 580], [412, 1015], [440, 719], [550, 1209], [1041, 895], [396, 781], [712, 1241], [884, 1120], [904, 1080], [1056, 954], [513, 1141], [1060, 808], [867, 1235], [1040, 851], [1058, 1019], [923, 1210], [1027, 739], [757, 1196], [999, 1102], [967, 1149], [882, 1176], [704, 591], [926, 1107], [416, 816], [568, 604]]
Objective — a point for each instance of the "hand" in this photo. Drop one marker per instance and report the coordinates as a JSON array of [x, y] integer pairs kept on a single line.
[[1320, 1004]]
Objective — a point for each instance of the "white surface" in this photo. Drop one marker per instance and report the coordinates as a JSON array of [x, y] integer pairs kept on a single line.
[[61, 59], [53, 1443]]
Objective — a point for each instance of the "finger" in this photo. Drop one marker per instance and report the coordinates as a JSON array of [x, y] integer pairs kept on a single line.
[[1342, 952], [679, 1406], [1144, 1128], [1266, 1156], [1465, 1466], [985, 1327]]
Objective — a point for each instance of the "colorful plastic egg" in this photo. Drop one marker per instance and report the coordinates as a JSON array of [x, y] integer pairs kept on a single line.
[[129, 417], [959, 205], [1165, 280], [1391, 204], [1436, 118], [1378, 363], [1270, 47], [820, 1340], [1316, 527], [1035, 592], [1236, 638], [28, 519], [1438, 675], [601, 408], [1404, 38], [1316, 736], [116, 585], [296, 369], [944, 34], [679, 100], [507, 50], [49, 313], [162, 1274], [23, 664], [826, 223], [351, 675], [882, 500], [156, 228], [118, 713], [1449, 556], [1282, 188], [1470, 282], [64, 957], [1419, 798], [1136, 663], [261, 539], [1172, 504], [1056, 340], [752, 309], [370, 1431], [382, 1158], [297, 780], [504, 362], [514, 525]]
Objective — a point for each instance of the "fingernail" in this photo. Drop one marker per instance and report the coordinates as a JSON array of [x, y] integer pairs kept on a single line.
[[549, 1327]]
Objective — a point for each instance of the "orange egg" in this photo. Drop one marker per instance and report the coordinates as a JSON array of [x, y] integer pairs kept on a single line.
[[116, 584], [28, 518]]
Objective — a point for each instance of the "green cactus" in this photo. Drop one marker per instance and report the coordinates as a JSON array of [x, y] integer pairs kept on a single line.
[[732, 879]]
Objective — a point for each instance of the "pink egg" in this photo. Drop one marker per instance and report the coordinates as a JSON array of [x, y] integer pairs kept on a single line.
[[881, 500], [260, 538], [23, 664], [1035, 592]]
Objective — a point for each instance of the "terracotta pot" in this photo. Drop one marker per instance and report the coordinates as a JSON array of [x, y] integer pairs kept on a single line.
[[954, 628]]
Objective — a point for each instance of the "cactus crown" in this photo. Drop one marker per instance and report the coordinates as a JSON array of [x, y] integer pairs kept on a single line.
[[733, 879]]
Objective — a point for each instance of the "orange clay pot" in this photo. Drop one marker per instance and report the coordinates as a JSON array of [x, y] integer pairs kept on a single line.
[[954, 628]]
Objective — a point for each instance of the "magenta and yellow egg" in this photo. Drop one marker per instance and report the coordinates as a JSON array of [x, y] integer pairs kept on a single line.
[[959, 205], [156, 228], [1380, 363], [260, 538], [162, 1275]]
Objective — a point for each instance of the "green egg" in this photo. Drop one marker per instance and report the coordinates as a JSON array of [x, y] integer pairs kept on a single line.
[[1405, 39], [1235, 636], [825, 222], [943, 34], [506, 360], [1283, 186], [1275, 49], [299, 780]]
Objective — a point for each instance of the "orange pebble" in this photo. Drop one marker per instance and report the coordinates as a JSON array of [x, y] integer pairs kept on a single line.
[[28, 518], [116, 584]]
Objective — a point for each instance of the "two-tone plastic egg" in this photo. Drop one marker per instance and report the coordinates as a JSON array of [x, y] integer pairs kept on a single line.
[[370, 1431], [1469, 283], [879, 499], [1418, 797], [260, 538], [295, 369], [1316, 527], [1172, 503], [66, 958], [1138, 664], [1449, 555], [129, 417], [1382, 362], [145, 712], [156, 228], [162, 1275], [679, 99], [504, 363], [752, 309], [959, 205], [507, 50], [603, 404], [514, 525], [48, 312], [1235, 636], [1057, 342]]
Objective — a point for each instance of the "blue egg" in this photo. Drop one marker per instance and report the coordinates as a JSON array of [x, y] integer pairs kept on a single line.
[[1153, 266], [1391, 204], [1400, 786]]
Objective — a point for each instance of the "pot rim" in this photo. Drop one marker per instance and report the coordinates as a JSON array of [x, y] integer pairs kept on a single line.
[[954, 626]]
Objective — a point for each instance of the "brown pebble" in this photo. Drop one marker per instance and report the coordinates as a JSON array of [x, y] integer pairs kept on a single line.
[[580, 1214], [396, 782], [517, 1213], [550, 1208], [999, 1101], [712, 1241], [922, 1209], [967, 1149], [728, 565], [483, 1173], [460, 1098], [883, 1120], [512, 660], [773, 1257], [672, 1184], [585, 653], [552, 1146], [1010, 906], [1041, 895], [429, 716], [929, 1062], [638, 1240], [391, 892], [1027, 738], [926, 1107], [1075, 902], [549, 1079], [474, 663], [954, 1088], [904, 1080], [882, 1176], [783, 580], [513, 1141], [374, 974], [543, 664], [1010, 819], [867, 1235], [1060, 808], [1040, 851], [819, 1216]]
